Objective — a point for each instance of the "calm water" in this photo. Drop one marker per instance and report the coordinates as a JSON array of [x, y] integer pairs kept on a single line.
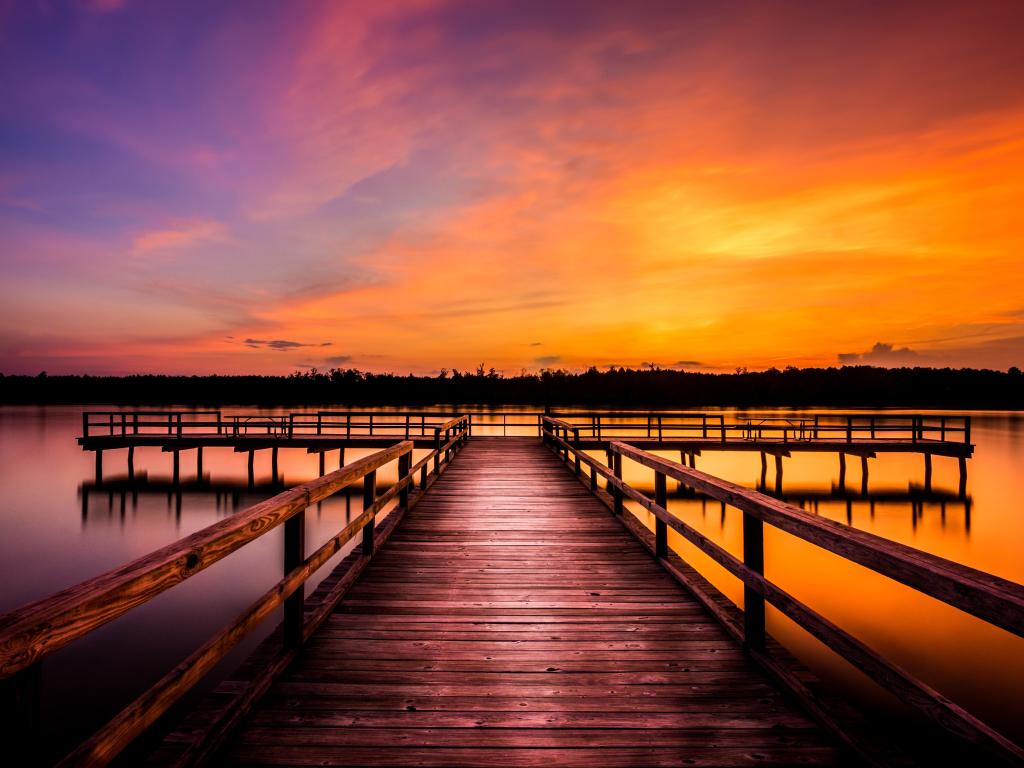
[[60, 529]]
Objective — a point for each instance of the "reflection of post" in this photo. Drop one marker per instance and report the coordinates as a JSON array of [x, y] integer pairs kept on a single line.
[[927, 472]]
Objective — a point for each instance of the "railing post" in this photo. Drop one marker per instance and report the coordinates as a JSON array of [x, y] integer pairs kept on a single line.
[[617, 493], [753, 601], [294, 554], [404, 462], [660, 527], [369, 496]]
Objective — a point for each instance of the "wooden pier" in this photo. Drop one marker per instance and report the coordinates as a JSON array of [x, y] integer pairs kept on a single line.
[[504, 606]]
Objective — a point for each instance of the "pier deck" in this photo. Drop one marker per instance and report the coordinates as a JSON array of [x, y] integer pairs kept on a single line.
[[511, 620], [500, 602]]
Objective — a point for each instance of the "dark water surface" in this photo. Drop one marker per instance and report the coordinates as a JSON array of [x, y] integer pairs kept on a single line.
[[59, 529]]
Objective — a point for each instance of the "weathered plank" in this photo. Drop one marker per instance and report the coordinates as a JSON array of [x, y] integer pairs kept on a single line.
[[511, 621]]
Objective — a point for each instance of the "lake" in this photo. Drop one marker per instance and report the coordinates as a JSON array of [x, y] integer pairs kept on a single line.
[[61, 528]]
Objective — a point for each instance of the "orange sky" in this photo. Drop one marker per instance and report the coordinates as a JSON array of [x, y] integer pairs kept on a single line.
[[414, 185]]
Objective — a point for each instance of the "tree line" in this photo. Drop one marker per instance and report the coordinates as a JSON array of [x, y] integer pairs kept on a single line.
[[847, 386]]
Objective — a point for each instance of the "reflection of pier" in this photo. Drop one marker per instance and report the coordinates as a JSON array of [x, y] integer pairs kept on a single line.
[[122, 493], [916, 497]]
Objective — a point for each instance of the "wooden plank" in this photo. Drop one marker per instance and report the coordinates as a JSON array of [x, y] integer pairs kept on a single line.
[[510, 621]]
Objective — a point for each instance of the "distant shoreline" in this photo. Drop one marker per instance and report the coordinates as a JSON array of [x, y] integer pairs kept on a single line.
[[849, 387]]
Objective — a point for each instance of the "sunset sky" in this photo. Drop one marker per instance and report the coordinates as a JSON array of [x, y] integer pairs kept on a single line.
[[266, 186]]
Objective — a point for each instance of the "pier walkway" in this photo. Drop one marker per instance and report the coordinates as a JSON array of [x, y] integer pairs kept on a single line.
[[512, 621], [501, 602]]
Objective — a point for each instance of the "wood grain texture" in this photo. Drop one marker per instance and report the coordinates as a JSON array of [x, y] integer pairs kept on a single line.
[[510, 620]]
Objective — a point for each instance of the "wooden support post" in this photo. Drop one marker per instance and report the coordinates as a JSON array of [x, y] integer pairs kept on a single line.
[[294, 554], [576, 445], [660, 527], [404, 462], [842, 471], [177, 467], [369, 496], [962, 491], [273, 464], [753, 602], [927, 472], [99, 467], [131, 463], [199, 463], [617, 493], [252, 472]]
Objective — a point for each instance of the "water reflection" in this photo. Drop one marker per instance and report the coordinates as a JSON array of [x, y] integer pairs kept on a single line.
[[116, 496]]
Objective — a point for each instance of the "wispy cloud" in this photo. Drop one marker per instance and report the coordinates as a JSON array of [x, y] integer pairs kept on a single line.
[[282, 345]]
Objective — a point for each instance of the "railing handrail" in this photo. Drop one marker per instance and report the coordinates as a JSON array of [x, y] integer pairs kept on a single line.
[[37, 629], [991, 598]]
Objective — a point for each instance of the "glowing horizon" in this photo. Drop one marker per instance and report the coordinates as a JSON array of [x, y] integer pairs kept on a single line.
[[409, 186]]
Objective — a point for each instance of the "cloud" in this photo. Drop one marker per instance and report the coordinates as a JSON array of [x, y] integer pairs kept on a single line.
[[281, 345], [546, 360], [180, 235], [882, 354]]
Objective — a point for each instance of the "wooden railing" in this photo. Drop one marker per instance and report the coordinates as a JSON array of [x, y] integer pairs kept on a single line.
[[347, 424], [665, 425], [682, 425], [33, 632], [990, 598]]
